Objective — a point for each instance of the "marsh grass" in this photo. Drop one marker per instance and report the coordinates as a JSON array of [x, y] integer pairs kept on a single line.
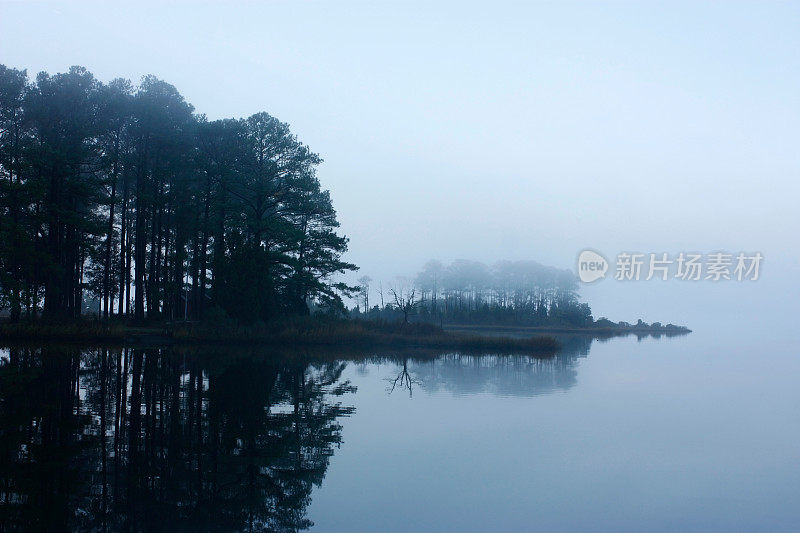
[[290, 333], [79, 330], [362, 334]]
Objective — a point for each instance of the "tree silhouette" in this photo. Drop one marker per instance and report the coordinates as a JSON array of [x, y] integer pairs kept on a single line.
[[125, 196]]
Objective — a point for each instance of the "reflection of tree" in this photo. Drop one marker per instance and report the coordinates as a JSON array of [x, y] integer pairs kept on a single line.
[[502, 375], [403, 379], [148, 439], [506, 375], [40, 435]]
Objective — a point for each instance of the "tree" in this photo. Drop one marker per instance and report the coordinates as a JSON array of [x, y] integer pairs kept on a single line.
[[405, 301], [15, 247], [363, 290]]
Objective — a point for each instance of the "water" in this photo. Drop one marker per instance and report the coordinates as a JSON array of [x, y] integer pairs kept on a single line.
[[698, 432]]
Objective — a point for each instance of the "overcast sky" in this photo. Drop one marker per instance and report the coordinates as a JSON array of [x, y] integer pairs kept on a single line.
[[505, 132]]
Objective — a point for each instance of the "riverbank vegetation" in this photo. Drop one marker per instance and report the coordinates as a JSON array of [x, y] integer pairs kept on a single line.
[[515, 294], [302, 332]]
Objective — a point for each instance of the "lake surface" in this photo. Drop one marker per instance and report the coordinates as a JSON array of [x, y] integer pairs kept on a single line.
[[698, 432]]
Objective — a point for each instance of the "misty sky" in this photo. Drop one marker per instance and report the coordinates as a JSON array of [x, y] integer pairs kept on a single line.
[[504, 132]]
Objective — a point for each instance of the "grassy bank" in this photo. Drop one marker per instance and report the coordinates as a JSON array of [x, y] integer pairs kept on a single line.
[[78, 331], [293, 333], [362, 334], [589, 330]]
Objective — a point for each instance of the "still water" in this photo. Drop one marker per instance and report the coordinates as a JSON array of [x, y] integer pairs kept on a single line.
[[697, 432]]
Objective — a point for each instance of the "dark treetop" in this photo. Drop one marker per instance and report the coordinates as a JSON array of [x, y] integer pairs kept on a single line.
[[122, 200]]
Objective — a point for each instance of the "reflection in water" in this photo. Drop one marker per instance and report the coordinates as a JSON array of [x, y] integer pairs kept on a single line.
[[504, 375], [142, 439], [501, 375], [147, 439], [404, 379]]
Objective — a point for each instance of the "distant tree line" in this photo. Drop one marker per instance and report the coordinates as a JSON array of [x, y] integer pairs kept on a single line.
[[470, 292], [127, 195]]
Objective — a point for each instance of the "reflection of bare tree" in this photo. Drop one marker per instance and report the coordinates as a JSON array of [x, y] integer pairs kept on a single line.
[[403, 379]]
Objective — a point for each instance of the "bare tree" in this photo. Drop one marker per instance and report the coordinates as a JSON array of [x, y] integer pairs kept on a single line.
[[363, 291], [405, 301]]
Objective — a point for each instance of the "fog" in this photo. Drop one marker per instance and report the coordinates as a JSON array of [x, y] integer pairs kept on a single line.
[[516, 132]]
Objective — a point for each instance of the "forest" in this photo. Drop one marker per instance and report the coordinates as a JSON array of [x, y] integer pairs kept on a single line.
[[123, 201], [507, 294], [470, 292]]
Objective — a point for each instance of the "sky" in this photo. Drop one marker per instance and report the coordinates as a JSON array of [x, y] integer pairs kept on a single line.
[[502, 131]]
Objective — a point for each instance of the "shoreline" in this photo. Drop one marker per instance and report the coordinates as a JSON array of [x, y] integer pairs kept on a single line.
[[300, 334], [604, 330]]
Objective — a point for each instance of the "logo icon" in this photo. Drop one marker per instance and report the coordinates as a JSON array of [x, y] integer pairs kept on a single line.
[[591, 266]]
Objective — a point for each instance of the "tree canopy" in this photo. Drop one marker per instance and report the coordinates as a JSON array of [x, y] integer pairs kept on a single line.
[[126, 197]]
